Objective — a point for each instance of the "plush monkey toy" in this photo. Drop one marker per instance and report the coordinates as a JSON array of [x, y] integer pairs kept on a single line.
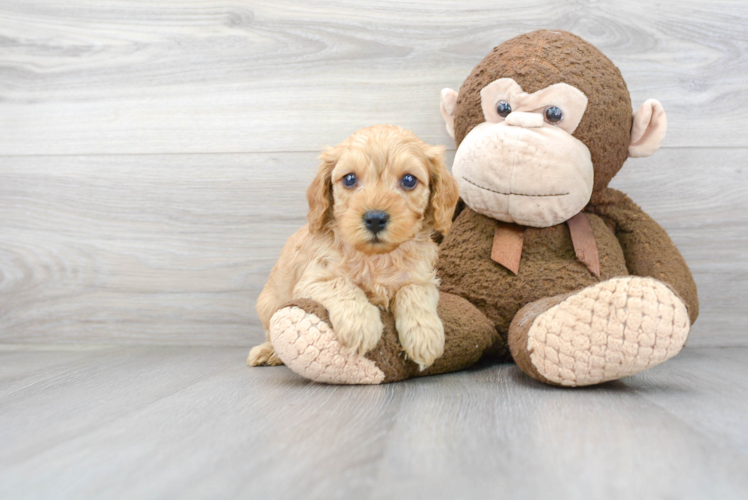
[[544, 264]]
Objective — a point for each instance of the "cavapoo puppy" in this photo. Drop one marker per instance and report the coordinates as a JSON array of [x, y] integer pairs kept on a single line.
[[376, 201]]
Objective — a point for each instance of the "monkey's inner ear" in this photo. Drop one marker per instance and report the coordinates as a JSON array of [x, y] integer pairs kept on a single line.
[[447, 106], [648, 130]]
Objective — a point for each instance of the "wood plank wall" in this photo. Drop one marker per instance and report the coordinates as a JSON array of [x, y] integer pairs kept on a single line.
[[154, 154]]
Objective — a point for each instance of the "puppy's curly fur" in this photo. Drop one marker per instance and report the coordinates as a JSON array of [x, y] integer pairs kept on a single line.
[[353, 268]]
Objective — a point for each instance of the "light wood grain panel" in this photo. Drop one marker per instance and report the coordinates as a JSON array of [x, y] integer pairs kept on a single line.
[[89, 392], [174, 249], [707, 388], [25, 366], [499, 433], [199, 76], [252, 429], [160, 247], [189, 423]]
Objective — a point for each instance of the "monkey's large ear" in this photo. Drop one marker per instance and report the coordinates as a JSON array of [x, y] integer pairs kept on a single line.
[[444, 190], [648, 131], [319, 193], [449, 101]]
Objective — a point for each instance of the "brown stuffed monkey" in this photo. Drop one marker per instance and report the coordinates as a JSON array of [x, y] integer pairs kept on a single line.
[[544, 264]]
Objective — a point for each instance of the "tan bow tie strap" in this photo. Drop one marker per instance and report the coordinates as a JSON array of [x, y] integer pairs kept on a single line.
[[507, 245], [584, 242], [508, 240]]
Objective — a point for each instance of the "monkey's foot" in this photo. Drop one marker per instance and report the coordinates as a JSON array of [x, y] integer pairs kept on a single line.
[[305, 342], [604, 332]]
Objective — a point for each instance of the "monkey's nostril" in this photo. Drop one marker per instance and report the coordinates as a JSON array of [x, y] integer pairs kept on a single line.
[[375, 220]]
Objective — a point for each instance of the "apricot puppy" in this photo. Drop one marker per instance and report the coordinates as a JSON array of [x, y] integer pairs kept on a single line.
[[376, 201]]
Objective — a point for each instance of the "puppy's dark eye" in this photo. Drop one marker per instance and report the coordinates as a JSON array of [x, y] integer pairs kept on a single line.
[[408, 181], [350, 180], [553, 114], [503, 109]]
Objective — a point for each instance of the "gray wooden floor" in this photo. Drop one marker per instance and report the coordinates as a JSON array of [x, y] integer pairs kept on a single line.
[[153, 159], [193, 422]]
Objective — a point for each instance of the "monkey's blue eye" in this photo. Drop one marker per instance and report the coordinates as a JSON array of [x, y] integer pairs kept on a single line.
[[503, 109], [553, 114], [350, 180], [408, 181]]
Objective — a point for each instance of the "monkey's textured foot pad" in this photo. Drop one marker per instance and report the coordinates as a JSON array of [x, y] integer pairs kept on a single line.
[[604, 332], [308, 346]]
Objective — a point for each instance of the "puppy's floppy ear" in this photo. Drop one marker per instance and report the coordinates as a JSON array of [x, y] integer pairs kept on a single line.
[[319, 193], [444, 190]]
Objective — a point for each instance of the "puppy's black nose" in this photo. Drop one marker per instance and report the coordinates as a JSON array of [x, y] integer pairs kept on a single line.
[[375, 220]]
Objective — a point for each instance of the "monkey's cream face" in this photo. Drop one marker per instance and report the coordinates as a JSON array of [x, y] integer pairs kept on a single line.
[[522, 165]]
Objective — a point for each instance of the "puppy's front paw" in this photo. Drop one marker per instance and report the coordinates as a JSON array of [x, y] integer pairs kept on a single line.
[[263, 354], [357, 325], [422, 338]]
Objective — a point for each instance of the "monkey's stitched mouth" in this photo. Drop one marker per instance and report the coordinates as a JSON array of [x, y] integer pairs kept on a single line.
[[510, 193]]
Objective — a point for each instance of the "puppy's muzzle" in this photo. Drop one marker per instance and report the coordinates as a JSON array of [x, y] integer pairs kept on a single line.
[[375, 220]]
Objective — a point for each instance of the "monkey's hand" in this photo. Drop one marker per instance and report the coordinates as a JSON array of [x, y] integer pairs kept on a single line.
[[648, 249]]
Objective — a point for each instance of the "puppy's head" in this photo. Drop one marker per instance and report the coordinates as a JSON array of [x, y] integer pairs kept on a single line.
[[380, 188]]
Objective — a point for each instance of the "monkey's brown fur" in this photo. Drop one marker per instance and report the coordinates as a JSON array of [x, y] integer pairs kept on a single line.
[[549, 265], [628, 240]]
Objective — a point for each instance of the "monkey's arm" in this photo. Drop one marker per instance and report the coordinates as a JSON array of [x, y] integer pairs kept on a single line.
[[648, 249]]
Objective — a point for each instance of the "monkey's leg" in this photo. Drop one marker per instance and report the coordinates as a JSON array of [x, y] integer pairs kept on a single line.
[[305, 342], [603, 332]]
